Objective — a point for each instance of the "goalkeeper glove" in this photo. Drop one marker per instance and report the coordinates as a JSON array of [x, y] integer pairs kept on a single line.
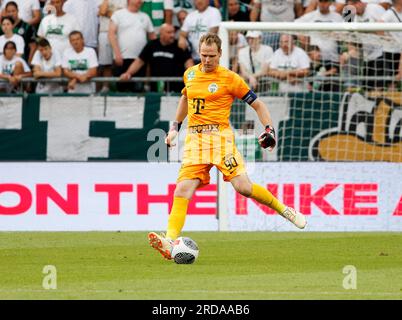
[[267, 138], [172, 134]]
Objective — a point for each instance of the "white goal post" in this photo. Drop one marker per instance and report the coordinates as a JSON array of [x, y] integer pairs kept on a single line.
[[357, 30]]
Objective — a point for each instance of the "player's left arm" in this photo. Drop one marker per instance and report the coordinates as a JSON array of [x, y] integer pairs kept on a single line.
[[262, 112], [242, 91]]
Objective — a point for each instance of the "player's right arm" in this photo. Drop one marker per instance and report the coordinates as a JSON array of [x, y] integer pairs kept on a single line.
[[181, 114]]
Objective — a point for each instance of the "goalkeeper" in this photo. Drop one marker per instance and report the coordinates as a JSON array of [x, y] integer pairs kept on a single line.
[[207, 98]]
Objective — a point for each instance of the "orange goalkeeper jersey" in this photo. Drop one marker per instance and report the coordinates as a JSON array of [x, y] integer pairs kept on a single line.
[[210, 95]]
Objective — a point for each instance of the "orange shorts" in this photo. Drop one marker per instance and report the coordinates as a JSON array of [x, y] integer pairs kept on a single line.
[[231, 165]]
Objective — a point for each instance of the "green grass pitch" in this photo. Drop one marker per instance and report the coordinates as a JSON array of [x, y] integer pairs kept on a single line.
[[248, 265]]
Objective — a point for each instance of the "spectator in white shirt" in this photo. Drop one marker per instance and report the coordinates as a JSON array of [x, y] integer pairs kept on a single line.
[[289, 64], [57, 26], [23, 29], [328, 47], [254, 60], [12, 68], [340, 4], [79, 65], [85, 11], [129, 31], [7, 25], [373, 58], [392, 54], [46, 64], [197, 23], [237, 41], [276, 10], [29, 10]]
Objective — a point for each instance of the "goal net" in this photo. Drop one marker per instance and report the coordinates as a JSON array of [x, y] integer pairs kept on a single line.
[[333, 89]]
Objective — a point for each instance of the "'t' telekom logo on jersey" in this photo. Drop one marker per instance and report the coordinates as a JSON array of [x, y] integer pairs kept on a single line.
[[357, 199]]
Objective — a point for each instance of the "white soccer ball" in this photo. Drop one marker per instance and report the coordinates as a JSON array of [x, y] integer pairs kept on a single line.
[[185, 250]]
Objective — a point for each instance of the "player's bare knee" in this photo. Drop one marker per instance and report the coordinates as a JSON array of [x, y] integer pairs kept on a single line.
[[182, 193], [243, 189]]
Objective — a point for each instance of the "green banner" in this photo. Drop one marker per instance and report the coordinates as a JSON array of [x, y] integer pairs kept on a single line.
[[310, 127]]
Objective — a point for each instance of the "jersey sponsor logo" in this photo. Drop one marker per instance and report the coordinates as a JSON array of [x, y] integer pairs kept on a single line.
[[191, 75], [213, 87], [204, 128], [198, 104]]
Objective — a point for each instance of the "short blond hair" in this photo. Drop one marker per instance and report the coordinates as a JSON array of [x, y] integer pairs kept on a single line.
[[210, 39]]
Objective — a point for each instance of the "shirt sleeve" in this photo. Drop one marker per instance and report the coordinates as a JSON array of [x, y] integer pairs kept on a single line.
[[64, 61], [149, 25], [239, 86], [274, 61], [57, 58], [25, 65], [35, 5], [185, 27], [146, 53], [93, 59], [216, 18], [168, 4], [20, 45], [304, 62], [40, 29], [36, 59]]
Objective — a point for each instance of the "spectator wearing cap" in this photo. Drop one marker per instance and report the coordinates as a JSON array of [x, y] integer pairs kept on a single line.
[[23, 29], [129, 30], [254, 60], [289, 64], [199, 22]]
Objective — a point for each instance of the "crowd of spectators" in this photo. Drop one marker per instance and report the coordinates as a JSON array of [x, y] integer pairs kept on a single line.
[[83, 39]]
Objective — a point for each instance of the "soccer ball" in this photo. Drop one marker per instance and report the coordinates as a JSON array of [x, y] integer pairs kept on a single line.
[[185, 250]]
